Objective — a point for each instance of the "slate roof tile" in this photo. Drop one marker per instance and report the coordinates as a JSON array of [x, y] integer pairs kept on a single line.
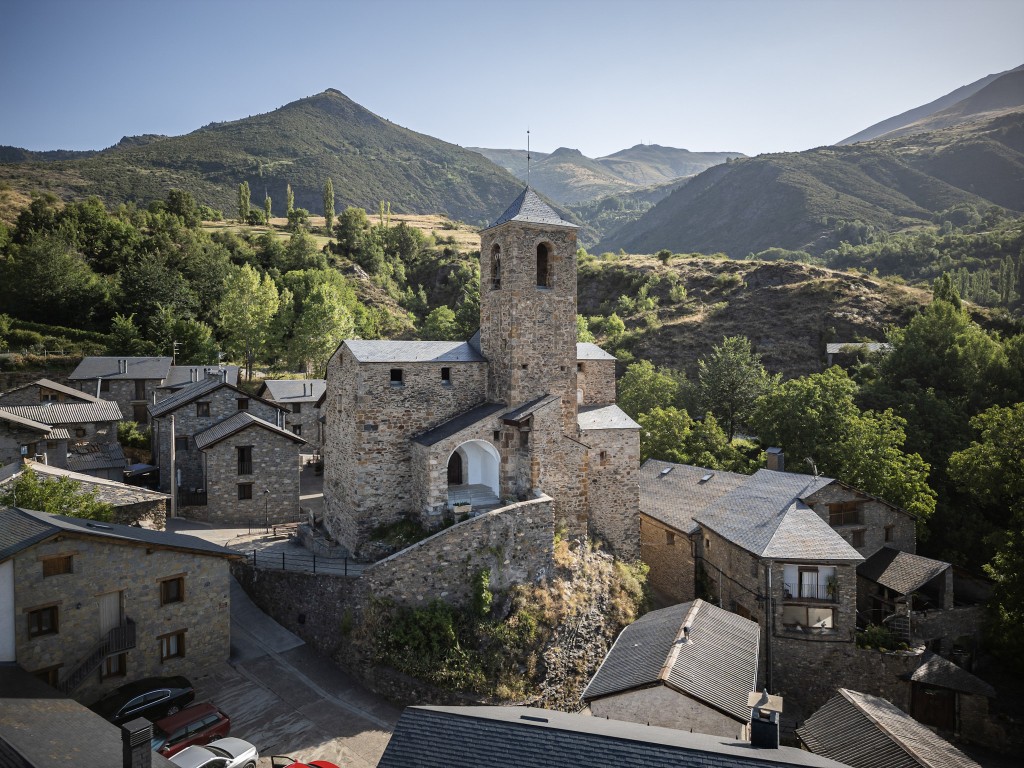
[[293, 390], [937, 671], [110, 368], [901, 572], [377, 351], [529, 207], [593, 417], [235, 423]]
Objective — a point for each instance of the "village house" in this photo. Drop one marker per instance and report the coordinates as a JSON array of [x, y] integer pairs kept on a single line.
[[690, 667], [88, 606], [83, 436], [131, 382], [179, 376], [864, 731], [298, 398], [21, 437], [227, 454], [483, 737], [434, 429]]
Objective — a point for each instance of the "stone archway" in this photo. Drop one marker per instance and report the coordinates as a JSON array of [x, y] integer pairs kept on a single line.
[[478, 463]]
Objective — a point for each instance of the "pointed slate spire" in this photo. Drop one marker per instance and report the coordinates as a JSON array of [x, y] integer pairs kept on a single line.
[[529, 207]]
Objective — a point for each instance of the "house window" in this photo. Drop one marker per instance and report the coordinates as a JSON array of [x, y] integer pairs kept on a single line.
[[43, 621], [889, 532], [140, 413], [243, 403], [396, 377], [181, 444], [297, 429], [857, 538], [79, 431], [446, 375], [808, 617], [140, 389], [497, 436], [244, 455], [202, 409], [809, 585], [707, 543], [49, 675], [545, 279], [172, 646], [670, 538], [296, 407], [579, 367], [115, 666], [172, 590], [55, 566], [244, 491], [496, 268], [104, 385], [844, 513], [524, 439]]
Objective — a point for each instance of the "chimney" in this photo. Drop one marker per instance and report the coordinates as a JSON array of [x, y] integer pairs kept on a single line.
[[764, 719], [776, 459], [136, 747]]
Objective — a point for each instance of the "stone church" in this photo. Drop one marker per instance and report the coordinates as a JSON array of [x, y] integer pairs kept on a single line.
[[438, 429]]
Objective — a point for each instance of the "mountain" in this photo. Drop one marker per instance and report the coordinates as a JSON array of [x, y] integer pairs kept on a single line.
[[302, 144], [795, 200], [915, 120], [569, 176], [650, 164], [512, 160]]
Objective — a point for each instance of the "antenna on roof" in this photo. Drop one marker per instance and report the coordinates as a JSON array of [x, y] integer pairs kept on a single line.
[[527, 157]]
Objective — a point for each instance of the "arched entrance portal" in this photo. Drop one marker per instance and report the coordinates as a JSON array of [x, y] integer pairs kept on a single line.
[[474, 466]]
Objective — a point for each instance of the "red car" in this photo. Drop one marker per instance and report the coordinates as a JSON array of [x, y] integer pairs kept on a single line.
[[198, 724]]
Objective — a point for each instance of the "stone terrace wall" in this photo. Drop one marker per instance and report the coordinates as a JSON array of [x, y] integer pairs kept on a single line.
[[514, 543]]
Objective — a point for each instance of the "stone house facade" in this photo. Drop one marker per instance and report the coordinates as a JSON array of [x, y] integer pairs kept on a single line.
[[21, 438], [131, 382], [89, 606], [417, 429], [298, 398]]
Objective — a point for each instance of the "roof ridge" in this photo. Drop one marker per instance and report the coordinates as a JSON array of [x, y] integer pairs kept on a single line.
[[923, 760], [673, 653]]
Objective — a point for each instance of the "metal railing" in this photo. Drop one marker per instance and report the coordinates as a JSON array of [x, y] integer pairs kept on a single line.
[[308, 563], [823, 592], [120, 638]]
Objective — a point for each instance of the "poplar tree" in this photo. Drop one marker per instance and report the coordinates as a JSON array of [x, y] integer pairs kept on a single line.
[[328, 205], [289, 199], [266, 207], [243, 202]]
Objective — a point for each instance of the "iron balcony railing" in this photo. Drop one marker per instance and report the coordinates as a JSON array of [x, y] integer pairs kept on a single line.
[[121, 638], [824, 592]]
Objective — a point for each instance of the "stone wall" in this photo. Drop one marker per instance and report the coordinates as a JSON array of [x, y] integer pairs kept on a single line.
[[514, 543], [874, 516], [370, 420], [306, 421], [660, 705], [596, 378], [12, 437], [101, 567], [223, 403], [555, 464], [123, 392], [274, 479], [948, 626], [613, 488], [669, 553]]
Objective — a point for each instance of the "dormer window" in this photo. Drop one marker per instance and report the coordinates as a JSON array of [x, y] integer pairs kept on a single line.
[[496, 268], [545, 278]]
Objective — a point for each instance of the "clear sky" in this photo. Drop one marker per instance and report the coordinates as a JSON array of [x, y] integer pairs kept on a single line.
[[707, 75]]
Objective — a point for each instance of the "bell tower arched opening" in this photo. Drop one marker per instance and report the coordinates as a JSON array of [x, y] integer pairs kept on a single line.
[[545, 273]]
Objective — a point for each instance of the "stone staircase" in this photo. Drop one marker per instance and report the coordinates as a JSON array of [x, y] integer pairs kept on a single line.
[[480, 497]]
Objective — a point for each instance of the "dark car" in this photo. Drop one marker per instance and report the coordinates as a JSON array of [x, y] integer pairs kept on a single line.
[[198, 724], [152, 698]]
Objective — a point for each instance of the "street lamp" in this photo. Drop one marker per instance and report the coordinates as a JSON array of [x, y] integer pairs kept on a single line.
[[266, 508]]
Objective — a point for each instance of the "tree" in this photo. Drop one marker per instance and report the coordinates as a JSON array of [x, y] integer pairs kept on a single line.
[[266, 208], [730, 380], [643, 388], [298, 218], [289, 197], [817, 422], [246, 310], [663, 434], [440, 325], [328, 205], [243, 202], [54, 495], [583, 329], [125, 338], [323, 324], [182, 204]]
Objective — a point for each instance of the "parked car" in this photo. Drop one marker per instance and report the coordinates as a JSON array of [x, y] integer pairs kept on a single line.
[[151, 697], [222, 753], [199, 724]]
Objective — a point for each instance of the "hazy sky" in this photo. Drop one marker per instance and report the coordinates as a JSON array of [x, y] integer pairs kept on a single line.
[[741, 75]]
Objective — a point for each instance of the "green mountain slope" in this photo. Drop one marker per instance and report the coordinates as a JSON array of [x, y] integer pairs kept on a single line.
[[649, 164], [794, 200], [569, 176], [303, 143]]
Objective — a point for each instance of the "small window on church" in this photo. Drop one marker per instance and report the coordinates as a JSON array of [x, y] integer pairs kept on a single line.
[[446, 375], [579, 367], [396, 377], [524, 439], [604, 458], [496, 268], [544, 276]]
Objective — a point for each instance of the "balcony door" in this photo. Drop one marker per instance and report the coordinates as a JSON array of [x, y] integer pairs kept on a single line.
[[809, 583], [111, 612]]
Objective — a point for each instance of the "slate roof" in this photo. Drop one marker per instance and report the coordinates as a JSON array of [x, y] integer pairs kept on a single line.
[[185, 395], [529, 207], [109, 368], [55, 387], [21, 528], [234, 423], [674, 497], [92, 456], [717, 663], [901, 572], [592, 417], [868, 732], [24, 423], [107, 491], [377, 351], [764, 515], [943, 673], [293, 390], [523, 412], [586, 350], [484, 737], [455, 425], [67, 413], [40, 727], [183, 375]]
